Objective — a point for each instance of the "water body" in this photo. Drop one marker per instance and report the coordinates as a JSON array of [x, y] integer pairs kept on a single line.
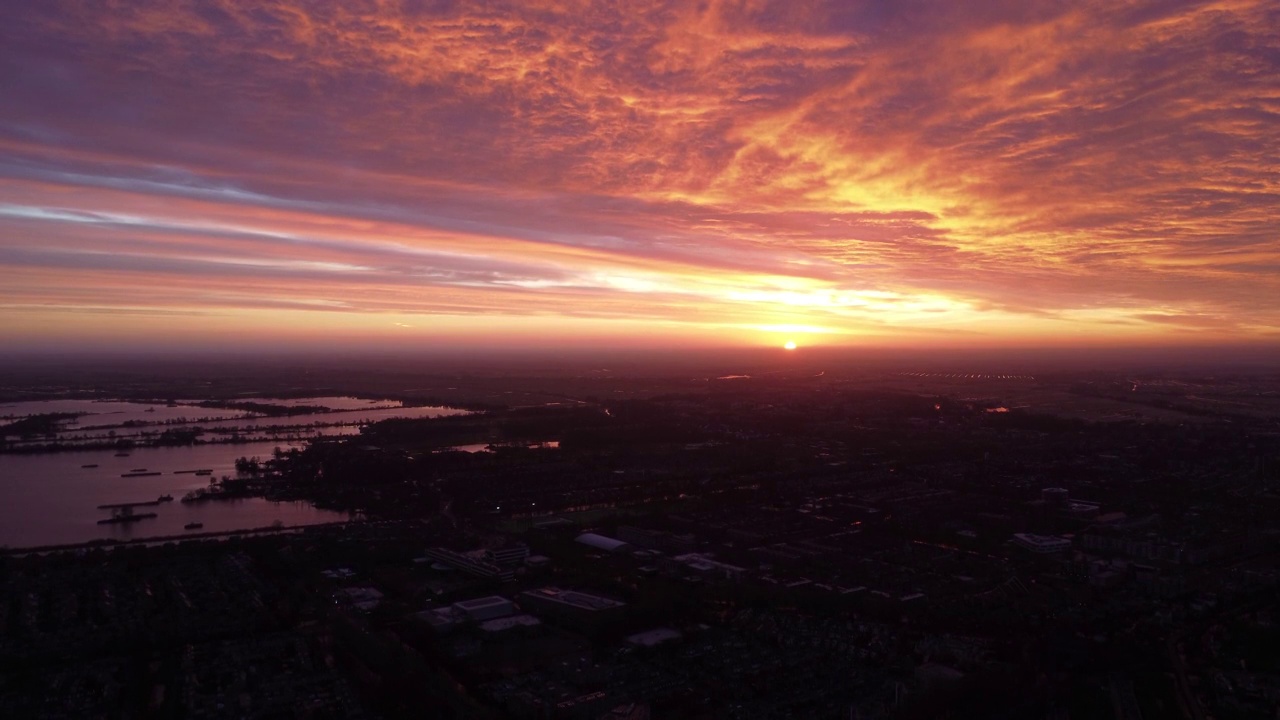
[[349, 416], [92, 427], [488, 447], [52, 499], [114, 412], [332, 402]]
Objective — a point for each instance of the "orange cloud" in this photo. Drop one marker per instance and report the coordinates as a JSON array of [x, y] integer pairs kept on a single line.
[[1015, 172]]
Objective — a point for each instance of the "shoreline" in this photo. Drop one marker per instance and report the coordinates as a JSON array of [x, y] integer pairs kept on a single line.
[[164, 539]]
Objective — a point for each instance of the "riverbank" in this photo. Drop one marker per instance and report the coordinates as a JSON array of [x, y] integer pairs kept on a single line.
[[164, 539]]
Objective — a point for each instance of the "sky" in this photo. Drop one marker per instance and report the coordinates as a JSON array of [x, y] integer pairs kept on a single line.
[[405, 173]]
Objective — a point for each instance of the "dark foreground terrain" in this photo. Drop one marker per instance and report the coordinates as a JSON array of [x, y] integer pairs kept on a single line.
[[807, 541]]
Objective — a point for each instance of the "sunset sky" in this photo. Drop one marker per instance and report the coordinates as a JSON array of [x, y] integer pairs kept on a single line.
[[413, 172]]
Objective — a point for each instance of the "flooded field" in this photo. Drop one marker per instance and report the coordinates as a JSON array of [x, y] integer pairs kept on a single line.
[[52, 498], [111, 421]]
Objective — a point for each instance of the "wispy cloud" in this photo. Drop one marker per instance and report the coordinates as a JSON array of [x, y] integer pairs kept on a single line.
[[1018, 170]]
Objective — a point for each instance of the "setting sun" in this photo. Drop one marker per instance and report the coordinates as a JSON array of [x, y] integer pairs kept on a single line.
[[722, 175], [790, 345]]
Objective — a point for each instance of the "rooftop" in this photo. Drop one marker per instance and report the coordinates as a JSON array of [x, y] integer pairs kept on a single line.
[[507, 623], [575, 598], [651, 638], [601, 542], [478, 603], [1033, 539]]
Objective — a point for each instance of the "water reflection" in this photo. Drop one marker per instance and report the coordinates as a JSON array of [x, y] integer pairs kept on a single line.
[[51, 499]]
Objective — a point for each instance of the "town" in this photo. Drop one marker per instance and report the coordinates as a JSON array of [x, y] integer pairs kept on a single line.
[[779, 548]]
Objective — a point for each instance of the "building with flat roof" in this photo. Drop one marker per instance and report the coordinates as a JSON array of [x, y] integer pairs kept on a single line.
[[657, 540], [571, 607], [701, 565], [1055, 497], [601, 542], [1081, 509], [486, 608], [513, 622], [362, 598], [653, 638], [1041, 544], [470, 565], [440, 620], [633, 711], [1141, 546], [509, 555]]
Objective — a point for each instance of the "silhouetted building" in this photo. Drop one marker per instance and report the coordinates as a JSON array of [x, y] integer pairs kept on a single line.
[[486, 608], [571, 607], [601, 542], [509, 555], [1055, 498], [1041, 544], [470, 565], [658, 540]]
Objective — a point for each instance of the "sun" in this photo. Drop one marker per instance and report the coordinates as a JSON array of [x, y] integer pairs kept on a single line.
[[790, 345]]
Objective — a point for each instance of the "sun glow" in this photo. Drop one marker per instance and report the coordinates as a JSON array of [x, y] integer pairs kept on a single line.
[[786, 180], [790, 345]]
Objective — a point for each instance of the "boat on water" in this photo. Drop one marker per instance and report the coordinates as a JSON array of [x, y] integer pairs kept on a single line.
[[90, 465], [165, 498], [122, 454], [125, 514], [126, 518], [193, 526]]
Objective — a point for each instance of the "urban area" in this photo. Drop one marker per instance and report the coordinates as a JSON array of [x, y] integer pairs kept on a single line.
[[798, 545]]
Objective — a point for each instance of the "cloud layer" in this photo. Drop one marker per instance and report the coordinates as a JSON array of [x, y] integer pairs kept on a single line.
[[1017, 172]]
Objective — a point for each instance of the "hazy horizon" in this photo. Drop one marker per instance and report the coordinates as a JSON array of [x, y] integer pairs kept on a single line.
[[630, 361]]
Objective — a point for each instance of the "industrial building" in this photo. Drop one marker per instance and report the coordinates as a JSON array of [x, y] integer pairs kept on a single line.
[[486, 608], [467, 612], [658, 540], [1042, 544], [601, 542], [1055, 497], [700, 565], [509, 555], [471, 565], [571, 607], [653, 638]]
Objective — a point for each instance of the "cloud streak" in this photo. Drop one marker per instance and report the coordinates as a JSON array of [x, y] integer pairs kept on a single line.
[[1019, 172]]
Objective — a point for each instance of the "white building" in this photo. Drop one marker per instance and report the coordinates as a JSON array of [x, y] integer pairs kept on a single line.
[[510, 555], [486, 608], [601, 542], [1042, 544]]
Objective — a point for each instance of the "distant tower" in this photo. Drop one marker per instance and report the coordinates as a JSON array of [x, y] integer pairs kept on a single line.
[[1055, 498]]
